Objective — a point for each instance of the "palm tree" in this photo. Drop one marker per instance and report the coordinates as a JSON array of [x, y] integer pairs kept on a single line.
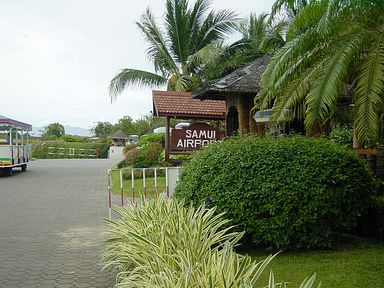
[[335, 48], [264, 34], [289, 8], [191, 36]]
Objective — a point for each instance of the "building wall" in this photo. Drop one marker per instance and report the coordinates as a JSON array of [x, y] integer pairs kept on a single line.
[[244, 105]]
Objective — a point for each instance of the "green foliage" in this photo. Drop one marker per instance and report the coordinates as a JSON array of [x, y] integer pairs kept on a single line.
[[138, 173], [181, 48], [129, 147], [124, 124], [161, 243], [122, 164], [152, 190], [343, 136], [53, 129], [40, 149], [150, 155], [102, 129], [147, 123], [152, 138], [333, 48], [371, 224], [363, 257], [286, 193], [131, 156], [72, 138]]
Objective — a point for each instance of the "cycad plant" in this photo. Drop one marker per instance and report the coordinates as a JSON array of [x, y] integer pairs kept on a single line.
[[335, 48], [179, 50]]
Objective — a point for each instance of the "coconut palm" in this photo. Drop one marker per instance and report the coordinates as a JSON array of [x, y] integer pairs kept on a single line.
[[179, 53], [265, 35], [289, 8], [335, 48]]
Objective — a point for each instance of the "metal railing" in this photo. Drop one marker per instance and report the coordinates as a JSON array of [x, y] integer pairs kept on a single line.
[[159, 181]]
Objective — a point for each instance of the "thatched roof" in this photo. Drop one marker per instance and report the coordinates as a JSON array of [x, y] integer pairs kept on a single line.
[[181, 105], [244, 81], [118, 135]]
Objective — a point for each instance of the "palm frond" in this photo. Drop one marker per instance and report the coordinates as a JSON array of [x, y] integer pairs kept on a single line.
[[293, 95], [216, 60], [216, 26], [157, 51], [287, 63], [322, 99], [275, 36], [184, 83], [369, 94], [255, 26], [289, 7], [199, 10], [178, 29], [132, 77], [306, 19]]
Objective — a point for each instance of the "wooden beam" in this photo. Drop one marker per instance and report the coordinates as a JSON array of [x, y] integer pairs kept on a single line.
[[167, 138]]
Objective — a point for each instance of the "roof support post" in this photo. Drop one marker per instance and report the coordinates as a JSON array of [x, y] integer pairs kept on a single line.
[[243, 109], [167, 138]]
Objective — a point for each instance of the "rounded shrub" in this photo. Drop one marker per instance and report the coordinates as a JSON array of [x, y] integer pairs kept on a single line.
[[343, 136], [150, 155], [371, 223], [152, 138], [287, 193]]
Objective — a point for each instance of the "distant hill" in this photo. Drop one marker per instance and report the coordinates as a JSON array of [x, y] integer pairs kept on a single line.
[[69, 130]]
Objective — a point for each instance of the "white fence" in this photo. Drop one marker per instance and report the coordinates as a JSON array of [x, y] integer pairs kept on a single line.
[[134, 183], [72, 152]]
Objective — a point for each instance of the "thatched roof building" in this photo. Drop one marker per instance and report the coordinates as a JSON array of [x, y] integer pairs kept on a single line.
[[119, 138], [238, 89]]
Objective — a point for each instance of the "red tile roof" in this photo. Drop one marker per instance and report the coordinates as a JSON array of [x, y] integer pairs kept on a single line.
[[182, 105]]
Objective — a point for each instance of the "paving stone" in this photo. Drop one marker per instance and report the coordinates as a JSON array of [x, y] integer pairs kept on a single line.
[[55, 239], [60, 285]]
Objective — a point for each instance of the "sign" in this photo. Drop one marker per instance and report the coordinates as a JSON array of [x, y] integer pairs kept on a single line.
[[194, 137]]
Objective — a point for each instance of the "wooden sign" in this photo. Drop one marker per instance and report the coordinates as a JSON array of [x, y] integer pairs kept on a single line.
[[194, 137]]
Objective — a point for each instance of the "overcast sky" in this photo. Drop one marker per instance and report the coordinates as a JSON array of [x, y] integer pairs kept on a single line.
[[57, 57]]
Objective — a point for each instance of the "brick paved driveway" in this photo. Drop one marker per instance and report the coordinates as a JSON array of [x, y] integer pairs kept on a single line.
[[50, 225]]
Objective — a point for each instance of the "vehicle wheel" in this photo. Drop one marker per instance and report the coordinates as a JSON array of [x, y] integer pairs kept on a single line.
[[8, 171], [24, 167]]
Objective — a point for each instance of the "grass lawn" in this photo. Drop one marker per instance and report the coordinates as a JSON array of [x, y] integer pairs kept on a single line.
[[127, 185], [359, 264]]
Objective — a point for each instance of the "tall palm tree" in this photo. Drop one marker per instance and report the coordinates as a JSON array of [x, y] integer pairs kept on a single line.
[[334, 48], [191, 36], [264, 34], [289, 8]]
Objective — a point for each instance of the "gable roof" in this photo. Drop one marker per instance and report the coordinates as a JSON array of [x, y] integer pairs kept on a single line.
[[4, 121], [118, 135], [245, 80], [182, 105]]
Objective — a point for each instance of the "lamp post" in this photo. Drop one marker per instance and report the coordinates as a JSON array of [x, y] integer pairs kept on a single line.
[[275, 127]]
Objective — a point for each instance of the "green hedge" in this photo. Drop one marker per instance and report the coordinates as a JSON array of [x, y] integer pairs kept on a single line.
[[150, 155], [152, 138], [287, 193], [40, 149], [343, 136], [371, 223]]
